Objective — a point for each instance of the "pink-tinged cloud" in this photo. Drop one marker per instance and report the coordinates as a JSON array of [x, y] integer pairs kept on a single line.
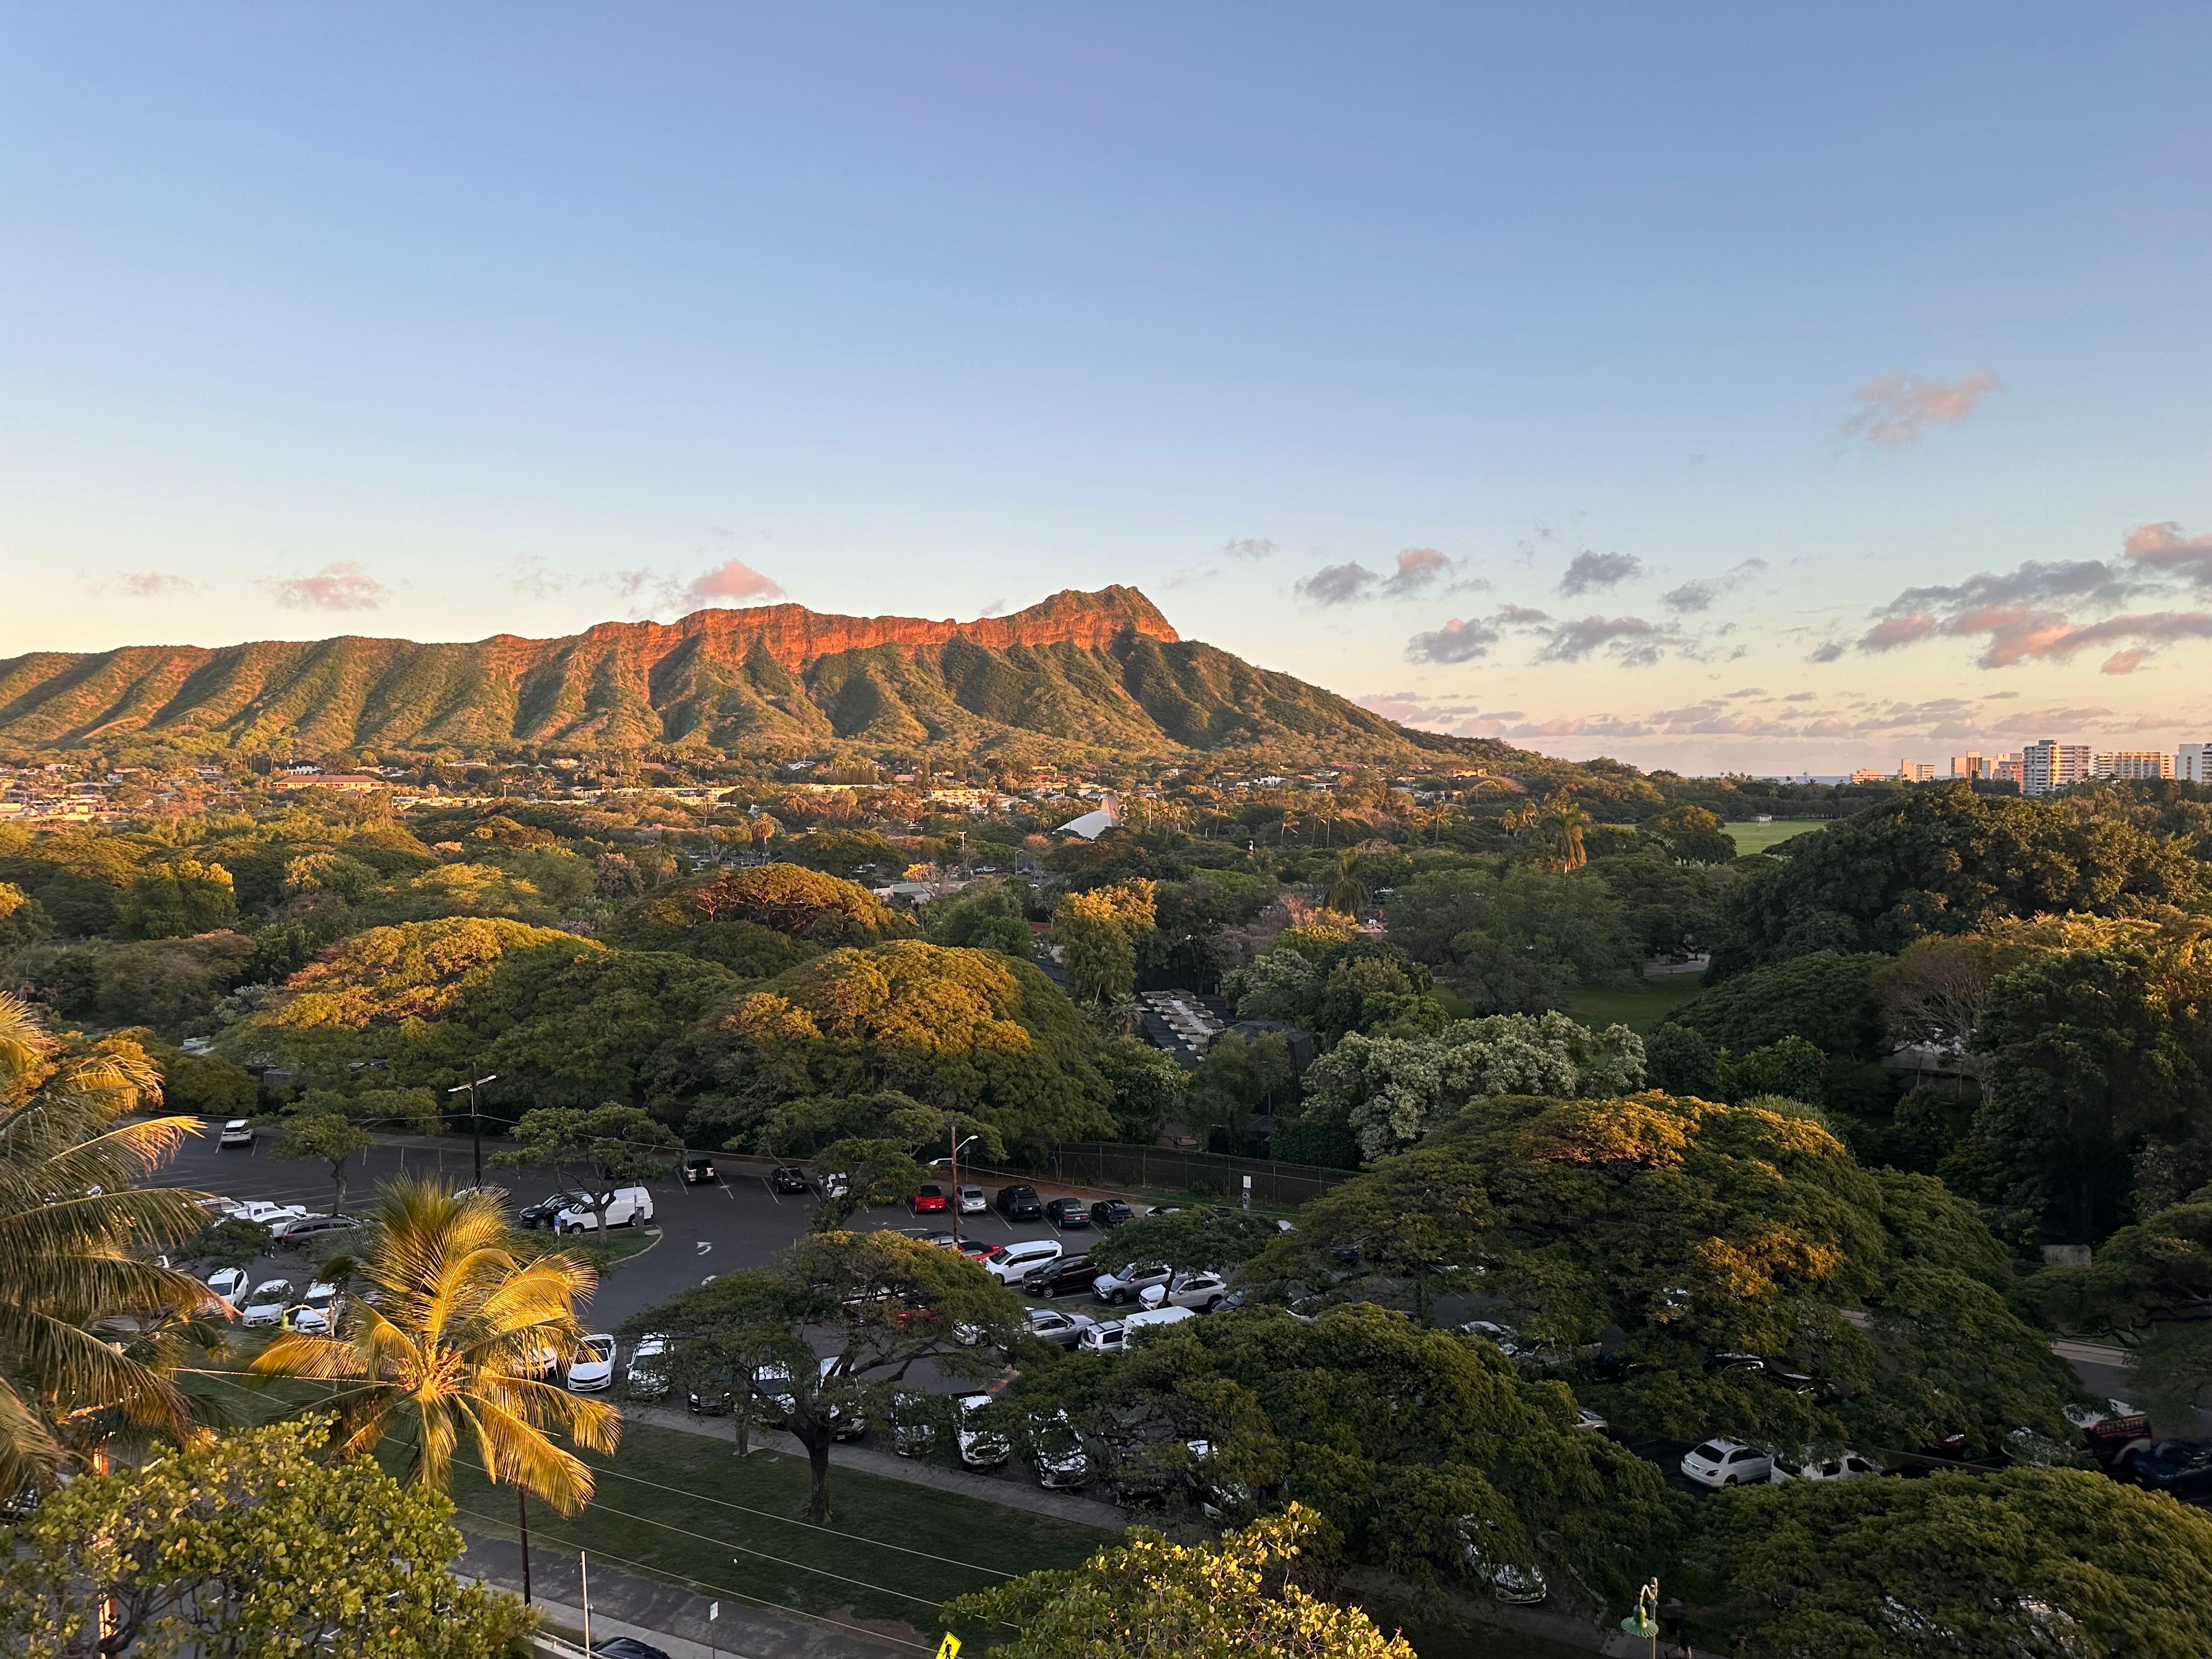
[[343, 586], [1894, 631], [732, 580], [1893, 409], [155, 584], [2124, 662], [1417, 567], [2046, 636], [2166, 547]]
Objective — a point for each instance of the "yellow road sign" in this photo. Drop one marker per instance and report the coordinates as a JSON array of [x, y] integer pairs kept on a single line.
[[949, 1648]]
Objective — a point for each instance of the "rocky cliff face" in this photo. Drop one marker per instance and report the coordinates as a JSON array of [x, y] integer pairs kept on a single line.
[[1101, 670]]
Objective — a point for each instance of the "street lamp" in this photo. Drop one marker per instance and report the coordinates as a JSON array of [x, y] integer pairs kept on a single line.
[[476, 1118], [954, 1161]]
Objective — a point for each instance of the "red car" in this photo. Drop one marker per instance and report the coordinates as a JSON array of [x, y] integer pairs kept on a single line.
[[928, 1199]]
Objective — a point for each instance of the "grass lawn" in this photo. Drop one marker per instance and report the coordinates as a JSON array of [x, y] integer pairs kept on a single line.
[[684, 1508], [1639, 1006], [1758, 837]]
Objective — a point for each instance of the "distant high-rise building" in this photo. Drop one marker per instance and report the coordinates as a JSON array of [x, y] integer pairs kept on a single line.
[[2134, 763], [2192, 763], [1914, 771], [2048, 765], [2006, 769], [1969, 765]]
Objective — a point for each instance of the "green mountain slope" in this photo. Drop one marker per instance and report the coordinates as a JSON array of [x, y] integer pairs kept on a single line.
[[1101, 672]]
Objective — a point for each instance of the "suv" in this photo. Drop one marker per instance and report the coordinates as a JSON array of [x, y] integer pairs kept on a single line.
[[1109, 1213], [699, 1170], [300, 1233], [1126, 1282], [1019, 1204], [785, 1179], [1010, 1264], [1062, 1278], [238, 1132]]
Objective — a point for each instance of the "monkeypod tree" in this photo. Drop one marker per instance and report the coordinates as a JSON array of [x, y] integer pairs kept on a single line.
[[1699, 1231]]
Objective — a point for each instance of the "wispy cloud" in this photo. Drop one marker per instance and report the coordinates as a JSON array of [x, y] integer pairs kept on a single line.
[[1631, 639], [1250, 547], [155, 584], [342, 585], [1419, 570], [1590, 572], [2165, 547], [1695, 596], [1894, 409], [1456, 641]]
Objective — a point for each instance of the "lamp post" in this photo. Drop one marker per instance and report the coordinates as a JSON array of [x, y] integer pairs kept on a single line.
[[952, 1128], [476, 1118]]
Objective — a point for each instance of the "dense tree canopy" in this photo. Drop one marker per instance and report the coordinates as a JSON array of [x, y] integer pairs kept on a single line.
[[1951, 861], [716, 917], [1697, 1229], [957, 1030]]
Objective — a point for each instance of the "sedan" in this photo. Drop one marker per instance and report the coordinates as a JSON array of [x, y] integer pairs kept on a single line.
[[267, 1303], [927, 1200], [648, 1366], [785, 1179], [1726, 1463], [238, 1132], [1063, 1463], [981, 1447], [972, 1200], [1051, 1325], [627, 1647], [593, 1370], [313, 1322], [226, 1282], [541, 1214], [1066, 1212], [1844, 1466]]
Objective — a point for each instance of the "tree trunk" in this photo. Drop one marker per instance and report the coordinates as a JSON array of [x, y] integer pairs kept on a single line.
[[815, 1438]]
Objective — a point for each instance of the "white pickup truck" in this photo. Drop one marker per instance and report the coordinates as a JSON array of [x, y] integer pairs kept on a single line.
[[261, 1211]]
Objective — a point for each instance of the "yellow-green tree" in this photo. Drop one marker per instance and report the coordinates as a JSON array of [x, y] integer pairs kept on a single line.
[[1148, 1596]]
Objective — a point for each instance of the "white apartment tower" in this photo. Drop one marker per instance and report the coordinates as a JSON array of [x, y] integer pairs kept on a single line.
[[2192, 763], [2135, 765], [2049, 765]]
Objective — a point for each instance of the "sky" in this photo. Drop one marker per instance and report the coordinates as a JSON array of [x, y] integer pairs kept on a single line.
[[1728, 388]]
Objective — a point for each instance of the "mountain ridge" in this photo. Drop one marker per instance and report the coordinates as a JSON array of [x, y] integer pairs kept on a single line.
[[1103, 670]]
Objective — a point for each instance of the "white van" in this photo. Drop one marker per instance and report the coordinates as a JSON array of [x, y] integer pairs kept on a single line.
[[1114, 1336], [627, 1207]]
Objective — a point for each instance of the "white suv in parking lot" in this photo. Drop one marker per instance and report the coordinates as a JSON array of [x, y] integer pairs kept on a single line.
[[1010, 1264]]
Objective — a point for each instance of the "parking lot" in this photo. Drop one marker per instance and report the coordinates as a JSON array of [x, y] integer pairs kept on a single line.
[[739, 1222]]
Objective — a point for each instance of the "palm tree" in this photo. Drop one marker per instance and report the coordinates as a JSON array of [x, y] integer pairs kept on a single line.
[[1572, 817], [90, 1329], [1348, 894], [445, 1334]]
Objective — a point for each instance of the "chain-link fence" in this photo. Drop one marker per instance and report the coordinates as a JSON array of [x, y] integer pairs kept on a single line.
[[1107, 1164]]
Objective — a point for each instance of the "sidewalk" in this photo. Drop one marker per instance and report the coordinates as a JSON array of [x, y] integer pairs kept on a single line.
[[676, 1620], [1013, 1494]]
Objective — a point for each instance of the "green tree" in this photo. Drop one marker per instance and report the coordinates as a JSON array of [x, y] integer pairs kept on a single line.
[[1691, 835], [1792, 1068], [2056, 1562], [1242, 1075], [333, 1137], [89, 1337], [176, 899], [246, 1545], [1148, 1596], [1191, 1238], [1099, 931], [1148, 1087], [598, 1149], [1568, 918], [1822, 997], [882, 1303], [1681, 1059], [22, 918], [2082, 1058]]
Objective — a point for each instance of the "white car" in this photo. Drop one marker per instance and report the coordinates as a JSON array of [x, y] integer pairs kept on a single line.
[[320, 1295], [238, 1132], [1053, 1326], [1594, 1421], [1010, 1264], [972, 1201], [1843, 1466], [593, 1370], [1201, 1292], [626, 1206], [1518, 1586], [262, 1212], [314, 1321], [1113, 1335], [1727, 1463], [265, 1303], [227, 1282], [1063, 1463], [648, 1366], [980, 1447]]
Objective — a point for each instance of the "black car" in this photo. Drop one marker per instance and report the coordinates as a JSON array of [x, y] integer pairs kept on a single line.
[[699, 1170], [1018, 1204], [627, 1647], [1062, 1278], [1066, 1212], [541, 1214], [785, 1179], [1109, 1213], [2181, 1467]]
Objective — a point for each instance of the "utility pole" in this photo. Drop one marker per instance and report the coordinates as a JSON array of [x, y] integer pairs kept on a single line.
[[476, 1118], [952, 1137]]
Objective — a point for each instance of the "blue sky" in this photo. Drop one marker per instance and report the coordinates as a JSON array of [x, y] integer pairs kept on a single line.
[[1736, 342]]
